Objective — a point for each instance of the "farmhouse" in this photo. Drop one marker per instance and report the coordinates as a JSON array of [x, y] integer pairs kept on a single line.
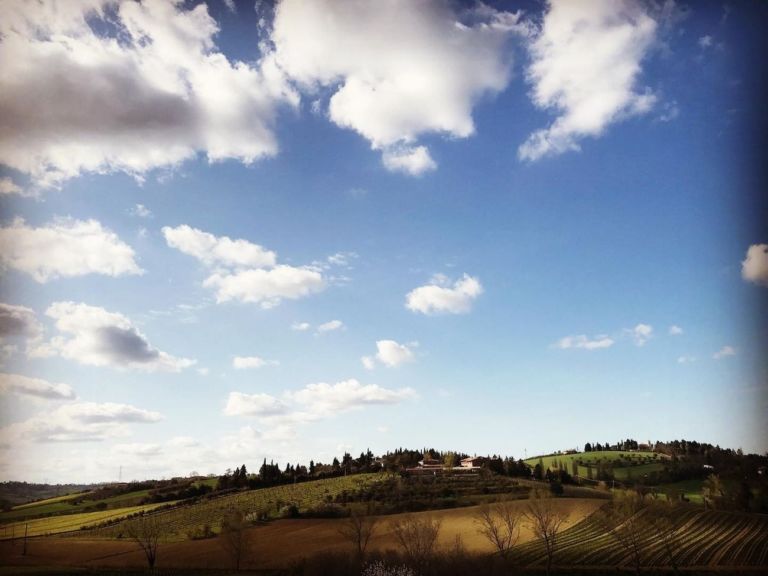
[[433, 467]]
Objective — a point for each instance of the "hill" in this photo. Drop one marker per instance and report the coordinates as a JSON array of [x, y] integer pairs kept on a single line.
[[605, 465]]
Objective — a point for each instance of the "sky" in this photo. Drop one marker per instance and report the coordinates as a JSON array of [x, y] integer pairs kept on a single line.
[[234, 231]]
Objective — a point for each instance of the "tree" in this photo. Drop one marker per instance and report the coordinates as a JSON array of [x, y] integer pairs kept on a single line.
[[500, 524], [358, 529], [623, 518], [544, 519], [146, 530], [713, 491], [417, 537], [233, 537]]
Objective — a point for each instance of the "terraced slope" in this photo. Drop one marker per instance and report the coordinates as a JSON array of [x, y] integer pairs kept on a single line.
[[188, 519], [69, 522], [701, 538]]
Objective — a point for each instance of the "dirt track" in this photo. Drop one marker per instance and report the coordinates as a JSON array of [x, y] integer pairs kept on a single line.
[[274, 545]]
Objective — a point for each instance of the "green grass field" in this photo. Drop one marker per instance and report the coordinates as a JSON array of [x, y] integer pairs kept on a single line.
[[626, 465], [690, 489], [68, 522], [48, 501], [63, 505]]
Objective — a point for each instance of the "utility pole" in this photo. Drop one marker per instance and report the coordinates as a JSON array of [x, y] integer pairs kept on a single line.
[[24, 551]]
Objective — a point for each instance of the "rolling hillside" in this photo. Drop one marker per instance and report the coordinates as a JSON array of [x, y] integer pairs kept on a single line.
[[621, 464]]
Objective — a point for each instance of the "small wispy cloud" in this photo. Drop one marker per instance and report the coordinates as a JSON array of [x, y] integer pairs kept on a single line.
[[724, 352], [641, 334], [141, 211], [331, 326], [251, 362], [584, 342]]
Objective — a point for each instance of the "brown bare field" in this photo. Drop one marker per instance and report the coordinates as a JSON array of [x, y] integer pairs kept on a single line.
[[273, 545]]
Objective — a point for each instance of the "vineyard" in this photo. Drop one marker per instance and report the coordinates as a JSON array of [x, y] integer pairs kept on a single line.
[[698, 538], [622, 465], [69, 522], [186, 520]]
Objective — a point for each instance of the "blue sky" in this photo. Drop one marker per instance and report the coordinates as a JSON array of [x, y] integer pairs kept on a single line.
[[232, 232]]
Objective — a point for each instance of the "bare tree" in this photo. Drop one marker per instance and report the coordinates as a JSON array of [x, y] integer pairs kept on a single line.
[[417, 537], [233, 537], [358, 529], [500, 524], [544, 520], [623, 518], [147, 530]]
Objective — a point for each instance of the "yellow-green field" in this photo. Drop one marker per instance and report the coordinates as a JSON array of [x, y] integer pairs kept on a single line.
[[71, 504], [68, 522], [48, 501], [185, 520]]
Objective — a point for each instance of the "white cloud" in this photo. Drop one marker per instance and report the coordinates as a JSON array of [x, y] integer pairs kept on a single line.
[[675, 330], [141, 211], [245, 271], [586, 60], [183, 442], [8, 186], [301, 326], [239, 404], [390, 354], [218, 251], [145, 450], [409, 160], [37, 387], [65, 248], [686, 359], [440, 297], [327, 399], [18, 322], [93, 336], [369, 362], [397, 70], [331, 326], [641, 334], [311, 403], [341, 259], [724, 352], [127, 86], [266, 287], [80, 422], [583, 342], [247, 362], [754, 268], [669, 111], [705, 42]]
